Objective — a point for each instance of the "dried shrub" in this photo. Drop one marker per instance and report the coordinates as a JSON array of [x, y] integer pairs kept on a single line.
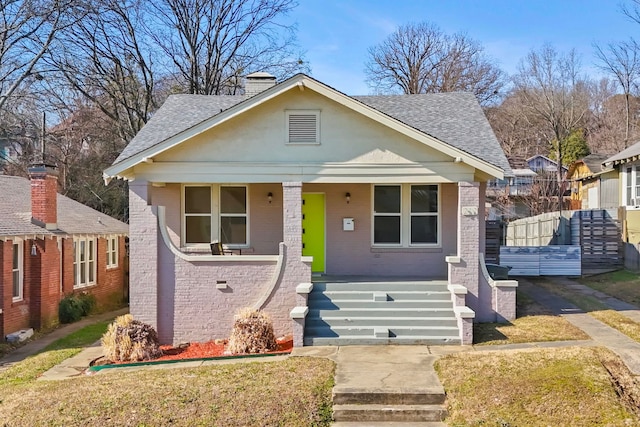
[[252, 333], [129, 340]]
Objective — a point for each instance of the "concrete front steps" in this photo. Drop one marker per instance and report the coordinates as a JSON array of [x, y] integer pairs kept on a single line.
[[381, 312], [406, 406]]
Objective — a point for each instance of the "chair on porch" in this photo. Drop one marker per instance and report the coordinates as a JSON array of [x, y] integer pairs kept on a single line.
[[217, 248]]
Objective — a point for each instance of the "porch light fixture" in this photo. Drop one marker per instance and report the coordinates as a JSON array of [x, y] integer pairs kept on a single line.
[[34, 250], [270, 197], [348, 197]]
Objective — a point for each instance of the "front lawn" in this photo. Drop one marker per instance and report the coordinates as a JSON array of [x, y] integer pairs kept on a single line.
[[295, 392], [569, 386], [534, 323]]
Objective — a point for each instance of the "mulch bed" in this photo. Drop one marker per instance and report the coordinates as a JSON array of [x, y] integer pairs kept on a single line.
[[213, 349], [209, 349]]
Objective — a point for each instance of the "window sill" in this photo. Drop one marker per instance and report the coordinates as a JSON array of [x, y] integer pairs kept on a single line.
[[112, 267], [406, 249], [17, 301], [89, 285]]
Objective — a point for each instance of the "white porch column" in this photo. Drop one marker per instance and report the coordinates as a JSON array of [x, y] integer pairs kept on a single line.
[[292, 218], [143, 242]]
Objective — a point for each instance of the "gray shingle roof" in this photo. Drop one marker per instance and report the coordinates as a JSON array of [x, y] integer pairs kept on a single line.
[[73, 217], [177, 114], [627, 153], [454, 118], [594, 162]]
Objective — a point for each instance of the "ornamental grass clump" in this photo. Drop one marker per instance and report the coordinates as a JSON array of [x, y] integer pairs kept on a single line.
[[252, 333], [129, 340]]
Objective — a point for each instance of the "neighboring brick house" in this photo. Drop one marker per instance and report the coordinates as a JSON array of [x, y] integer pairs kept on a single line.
[[52, 246], [298, 180]]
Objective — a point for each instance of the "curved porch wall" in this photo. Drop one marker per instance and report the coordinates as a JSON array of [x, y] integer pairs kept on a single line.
[[191, 308]]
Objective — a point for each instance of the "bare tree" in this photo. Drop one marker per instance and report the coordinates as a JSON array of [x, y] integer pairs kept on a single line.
[[552, 90], [420, 58], [213, 43], [105, 58], [27, 30], [622, 60]]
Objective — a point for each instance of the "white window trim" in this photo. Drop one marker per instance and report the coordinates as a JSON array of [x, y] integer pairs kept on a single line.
[[77, 284], [405, 219], [635, 188], [112, 249], [315, 113], [215, 216], [20, 243]]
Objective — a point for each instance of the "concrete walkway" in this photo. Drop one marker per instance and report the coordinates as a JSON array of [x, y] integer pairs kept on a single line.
[[39, 344]]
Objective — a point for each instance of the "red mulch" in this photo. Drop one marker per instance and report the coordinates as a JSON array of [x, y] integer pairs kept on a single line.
[[213, 349]]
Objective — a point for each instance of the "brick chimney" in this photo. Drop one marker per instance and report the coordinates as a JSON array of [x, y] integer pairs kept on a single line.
[[44, 195], [258, 82]]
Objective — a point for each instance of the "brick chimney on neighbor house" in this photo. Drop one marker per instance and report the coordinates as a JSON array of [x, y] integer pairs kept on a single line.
[[44, 195], [258, 82]]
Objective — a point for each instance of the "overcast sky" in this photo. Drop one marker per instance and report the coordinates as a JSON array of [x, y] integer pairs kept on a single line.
[[336, 34]]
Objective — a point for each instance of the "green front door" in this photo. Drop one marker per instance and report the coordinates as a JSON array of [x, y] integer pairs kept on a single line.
[[313, 229]]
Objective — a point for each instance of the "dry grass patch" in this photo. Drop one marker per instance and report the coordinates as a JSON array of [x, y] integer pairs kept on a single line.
[[534, 323], [558, 387], [623, 284], [597, 309], [294, 392]]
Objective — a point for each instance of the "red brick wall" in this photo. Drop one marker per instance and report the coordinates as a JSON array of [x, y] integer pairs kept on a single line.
[[16, 315], [42, 276], [42, 295]]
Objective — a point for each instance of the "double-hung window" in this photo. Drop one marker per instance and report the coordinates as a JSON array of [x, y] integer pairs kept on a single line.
[[631, 179], [84, 262], [17, 270], [112, 252], [406, 215], [216, 213]]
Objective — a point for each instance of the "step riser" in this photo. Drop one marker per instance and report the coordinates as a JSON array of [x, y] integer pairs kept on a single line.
[[370, 312], [368, 296], [340, 398], [388, 414], [369, 332], [342, 341], [371, 304], [328, 322], [380, 286]]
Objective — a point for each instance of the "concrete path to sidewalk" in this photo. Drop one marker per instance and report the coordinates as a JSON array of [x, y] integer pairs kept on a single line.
[[39, 344], [600, 333]]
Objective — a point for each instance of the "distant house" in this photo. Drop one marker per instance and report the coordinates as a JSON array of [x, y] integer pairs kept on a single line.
[[53, 246], [540, 163], [507, 195], [592, 185], [258, 200]]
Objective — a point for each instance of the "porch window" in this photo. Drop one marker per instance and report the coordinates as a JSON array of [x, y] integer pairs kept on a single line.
[[387, 214], [84, 262], [233, 215], [197, 214], [17, 271], [112, 252], [216, 213], [406, 215]]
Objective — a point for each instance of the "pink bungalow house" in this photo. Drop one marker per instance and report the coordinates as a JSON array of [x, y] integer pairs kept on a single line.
[[347, 219]]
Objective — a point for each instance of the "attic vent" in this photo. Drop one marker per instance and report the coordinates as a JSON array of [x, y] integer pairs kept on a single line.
[[303, 127]]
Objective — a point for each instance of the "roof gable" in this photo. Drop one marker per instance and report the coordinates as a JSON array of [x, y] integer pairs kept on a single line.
[[452, 123]]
